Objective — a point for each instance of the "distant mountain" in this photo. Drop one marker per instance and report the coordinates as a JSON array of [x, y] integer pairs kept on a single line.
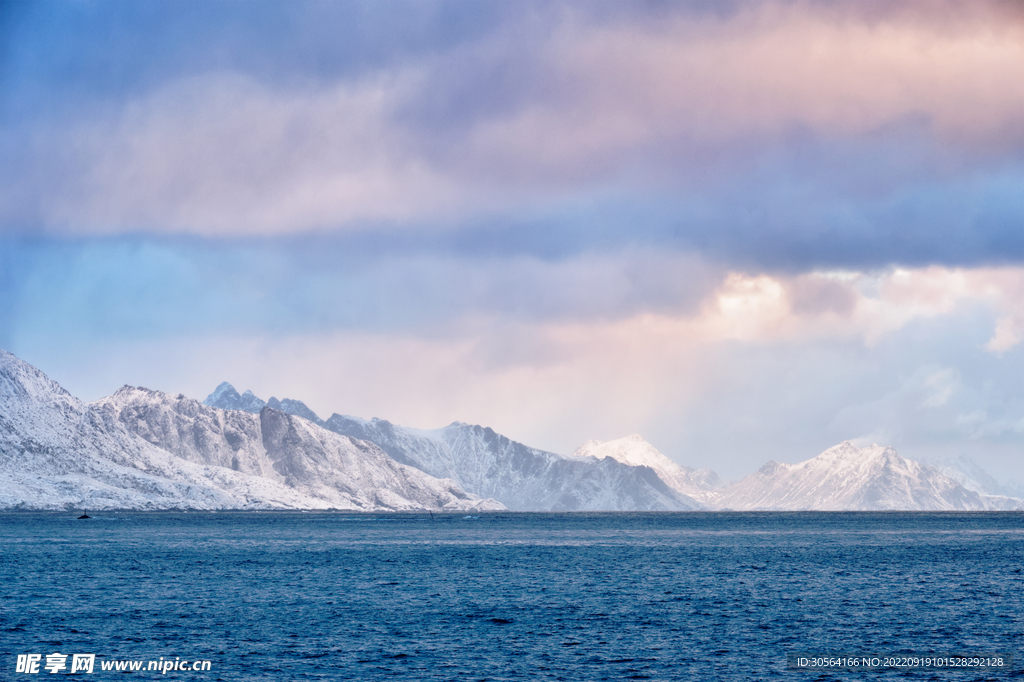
[[521, 477], [143, 449], [490, 465], [698, 484], [848, 478], [630, 474], [970, 475]]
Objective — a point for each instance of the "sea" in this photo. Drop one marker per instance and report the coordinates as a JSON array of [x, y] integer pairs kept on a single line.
[[512, 596]]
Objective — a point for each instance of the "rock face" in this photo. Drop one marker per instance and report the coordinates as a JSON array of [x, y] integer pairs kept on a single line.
[[57, 453], [227, 398], [521, 477], [349, 473], [147, 450], [490, 465], [848, 478], [698, 484]]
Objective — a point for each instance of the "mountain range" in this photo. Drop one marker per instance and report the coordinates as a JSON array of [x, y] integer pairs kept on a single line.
[[521, 477], [145, 449], [842, 478]]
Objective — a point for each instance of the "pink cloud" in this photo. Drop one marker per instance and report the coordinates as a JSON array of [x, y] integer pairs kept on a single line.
[[614, 105]]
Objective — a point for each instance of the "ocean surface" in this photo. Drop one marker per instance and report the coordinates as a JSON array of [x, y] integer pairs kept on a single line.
[[504, 596]]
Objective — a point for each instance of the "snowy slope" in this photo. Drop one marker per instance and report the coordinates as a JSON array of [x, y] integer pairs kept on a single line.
[[521, 477], [56, 453], [635, 451], [970, 475], [847, 478], [59, 453], [491, 465], [345, 472]]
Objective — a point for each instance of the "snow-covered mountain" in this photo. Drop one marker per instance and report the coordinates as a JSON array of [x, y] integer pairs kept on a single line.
[[848, 478], [146, 449], [521, 477], [57, 452], [698, 484], [491, 465], [227, 398], [350, 473], [970, 475]]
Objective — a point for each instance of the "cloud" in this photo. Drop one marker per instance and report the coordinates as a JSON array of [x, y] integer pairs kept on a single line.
[[704, 392], [707, 82], [771, 132], [746, 229], [936, 407], [862, 306], [223, 154], [138, 287], [148, 288], [714, 366]]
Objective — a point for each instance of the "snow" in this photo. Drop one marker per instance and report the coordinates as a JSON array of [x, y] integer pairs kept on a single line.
[[848, 478], [635, 451], [522, 478], [970, 475], [144, 449]]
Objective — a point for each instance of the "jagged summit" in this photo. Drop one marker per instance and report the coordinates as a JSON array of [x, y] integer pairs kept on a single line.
[[144, 449], [224, 393], [295, 407], [522, 478], [490, 465], [226, 397]]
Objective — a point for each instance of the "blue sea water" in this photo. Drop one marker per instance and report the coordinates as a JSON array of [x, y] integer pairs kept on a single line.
[[503, 596]]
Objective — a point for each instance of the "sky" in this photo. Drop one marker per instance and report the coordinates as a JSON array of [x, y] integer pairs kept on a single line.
[[744, 229]]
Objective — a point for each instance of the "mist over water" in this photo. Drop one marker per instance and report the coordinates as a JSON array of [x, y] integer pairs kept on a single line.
[[504, 596]]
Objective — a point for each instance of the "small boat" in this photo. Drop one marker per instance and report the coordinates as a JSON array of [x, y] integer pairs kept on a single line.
[[85, 514]]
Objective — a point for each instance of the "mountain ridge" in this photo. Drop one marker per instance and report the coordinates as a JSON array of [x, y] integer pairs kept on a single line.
[[141, 448], [57, 452], [284, 448], [843, 477], [847, 478], [491, 465]]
